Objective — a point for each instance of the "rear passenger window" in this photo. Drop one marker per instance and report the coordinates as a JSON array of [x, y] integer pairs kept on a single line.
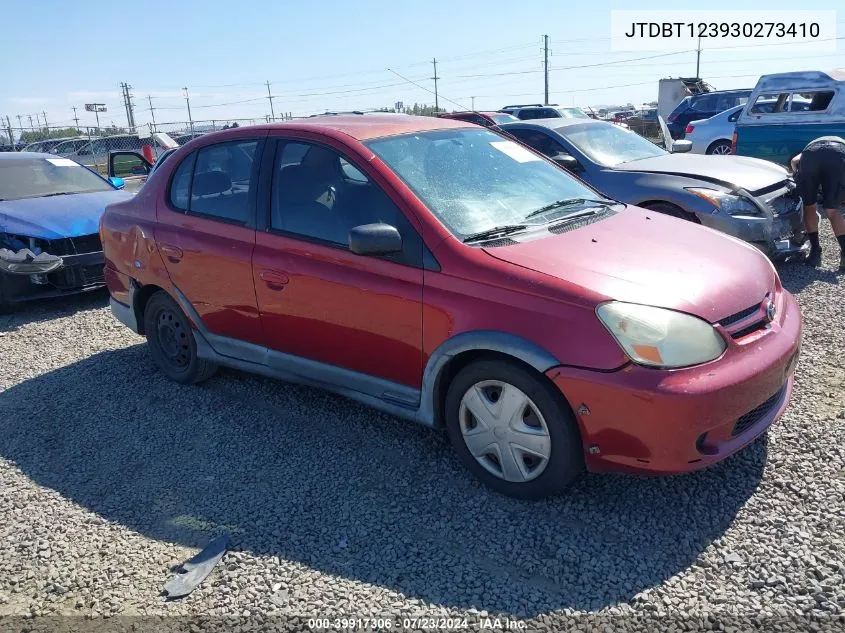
[[220, 187], [180, 186]]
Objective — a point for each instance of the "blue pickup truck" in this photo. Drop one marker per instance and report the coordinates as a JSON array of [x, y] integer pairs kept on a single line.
[[779, 132]]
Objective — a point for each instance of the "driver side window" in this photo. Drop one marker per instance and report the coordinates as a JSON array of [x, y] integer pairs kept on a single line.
[[540, 141], [319, 195]]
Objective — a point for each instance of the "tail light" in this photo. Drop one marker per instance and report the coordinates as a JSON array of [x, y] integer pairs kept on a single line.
[[733, 143], [689, 129]]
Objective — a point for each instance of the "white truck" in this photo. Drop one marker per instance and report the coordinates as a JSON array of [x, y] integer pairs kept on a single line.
[[672, 91]]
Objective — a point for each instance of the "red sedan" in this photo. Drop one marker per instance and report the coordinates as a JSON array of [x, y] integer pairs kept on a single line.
[[438, 271]]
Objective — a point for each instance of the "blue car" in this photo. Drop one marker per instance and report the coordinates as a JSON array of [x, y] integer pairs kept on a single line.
[[50, 209]]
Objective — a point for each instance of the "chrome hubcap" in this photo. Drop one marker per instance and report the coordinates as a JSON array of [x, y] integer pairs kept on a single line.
[[722, 149], [505, 431]]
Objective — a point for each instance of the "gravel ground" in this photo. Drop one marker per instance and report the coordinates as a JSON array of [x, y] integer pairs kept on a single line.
[[110, 475]]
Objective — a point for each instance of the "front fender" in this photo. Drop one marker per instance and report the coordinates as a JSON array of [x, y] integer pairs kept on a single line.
[[478, 340]]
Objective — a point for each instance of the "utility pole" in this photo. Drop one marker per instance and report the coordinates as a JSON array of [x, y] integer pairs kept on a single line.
[[270, 97], [38, 120], [698, 58], [546, 68], [436, 102], [473, 103], [11, 134], [188, 101], [152, 110], [45, 118], [127, 102], [32, 127], [75, 118]]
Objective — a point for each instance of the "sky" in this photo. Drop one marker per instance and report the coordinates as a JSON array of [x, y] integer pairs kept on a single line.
[[336, 55]]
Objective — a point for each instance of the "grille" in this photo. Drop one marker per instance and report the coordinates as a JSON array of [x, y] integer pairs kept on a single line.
[[77, 277], [784, 204], [759, 325], [739, 316], [72, 245], [758, 413], [581, 222]]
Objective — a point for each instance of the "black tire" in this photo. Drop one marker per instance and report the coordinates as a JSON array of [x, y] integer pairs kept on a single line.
[[667, 208], [721, 148], [5, 306], [566, 460], [171, 342]]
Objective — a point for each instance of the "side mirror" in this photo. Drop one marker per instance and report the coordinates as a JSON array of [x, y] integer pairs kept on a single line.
[[681, 147], [566, 161], [119, 183], [375, 239]]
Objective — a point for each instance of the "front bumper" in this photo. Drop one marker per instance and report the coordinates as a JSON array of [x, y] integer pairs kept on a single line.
[[778, 236], [666, 422], [78, 273]]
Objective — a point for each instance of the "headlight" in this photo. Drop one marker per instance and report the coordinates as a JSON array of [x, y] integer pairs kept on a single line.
[[25, 262], [727, 202], [658, 337]]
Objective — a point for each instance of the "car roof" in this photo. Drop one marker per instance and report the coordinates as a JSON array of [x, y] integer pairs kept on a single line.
[[554, 124], [19, 155], [361, 128]]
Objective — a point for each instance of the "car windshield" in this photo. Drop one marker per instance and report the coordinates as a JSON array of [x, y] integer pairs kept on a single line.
[[37, 177], [474, 179], [503, 118], [69, 147], [683, 105], [608, 144], [572, 113]]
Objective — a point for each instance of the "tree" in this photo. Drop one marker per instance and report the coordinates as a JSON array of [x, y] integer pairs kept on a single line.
[[31, 136]]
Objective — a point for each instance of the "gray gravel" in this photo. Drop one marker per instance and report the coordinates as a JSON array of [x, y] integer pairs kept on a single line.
[[110, 475]]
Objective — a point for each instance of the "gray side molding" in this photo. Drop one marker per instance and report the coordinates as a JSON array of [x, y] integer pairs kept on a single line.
[[482, 340]]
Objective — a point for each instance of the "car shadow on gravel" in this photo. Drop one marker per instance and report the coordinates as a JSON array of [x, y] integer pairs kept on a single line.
[[797, 276], [306, 476], [48, 309]]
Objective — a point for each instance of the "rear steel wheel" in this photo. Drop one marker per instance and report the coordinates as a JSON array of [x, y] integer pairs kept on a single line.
[[171, 341]]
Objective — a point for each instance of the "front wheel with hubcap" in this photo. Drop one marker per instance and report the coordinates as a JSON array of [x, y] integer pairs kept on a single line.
[[512, 430], [171, 341]]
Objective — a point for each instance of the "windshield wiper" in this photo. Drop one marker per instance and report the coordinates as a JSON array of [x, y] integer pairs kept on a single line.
[[496, 231], [574, 216], [58, 193], [569, 202]]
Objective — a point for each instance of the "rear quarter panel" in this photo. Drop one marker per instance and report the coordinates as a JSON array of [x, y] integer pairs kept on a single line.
[[126, 230]]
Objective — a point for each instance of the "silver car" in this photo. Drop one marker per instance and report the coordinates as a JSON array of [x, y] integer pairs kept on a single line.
[[97, 151], [66, 148], [714, 135]]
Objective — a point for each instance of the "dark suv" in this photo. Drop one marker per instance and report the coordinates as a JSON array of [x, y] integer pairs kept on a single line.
[[703, 106]]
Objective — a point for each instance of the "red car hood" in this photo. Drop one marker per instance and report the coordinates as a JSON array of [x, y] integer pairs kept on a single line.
[[644, 257]]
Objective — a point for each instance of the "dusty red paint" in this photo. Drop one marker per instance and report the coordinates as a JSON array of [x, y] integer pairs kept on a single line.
[[384, 319]]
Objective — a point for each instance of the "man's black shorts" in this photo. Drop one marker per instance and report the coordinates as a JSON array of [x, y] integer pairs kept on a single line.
[[822, 165]]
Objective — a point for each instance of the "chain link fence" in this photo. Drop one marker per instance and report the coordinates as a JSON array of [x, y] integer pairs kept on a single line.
[[91, 146]]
